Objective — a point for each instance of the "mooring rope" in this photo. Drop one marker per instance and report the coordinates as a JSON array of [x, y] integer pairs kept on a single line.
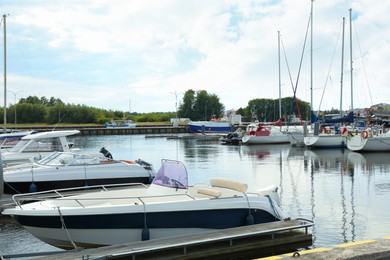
[[66, 230], [273, 206]]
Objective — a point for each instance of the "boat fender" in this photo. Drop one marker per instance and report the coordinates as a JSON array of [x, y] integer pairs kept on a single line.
[[32, 188], [145, 233], [365, 134], [249, 219]]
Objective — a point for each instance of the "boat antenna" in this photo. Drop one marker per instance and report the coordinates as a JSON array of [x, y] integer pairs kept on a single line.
[[59, 121]]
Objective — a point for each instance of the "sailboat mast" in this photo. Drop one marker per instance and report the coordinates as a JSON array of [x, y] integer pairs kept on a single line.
[[5, 73], [350, 54], [342, 71], [280, 92], [311, 56]]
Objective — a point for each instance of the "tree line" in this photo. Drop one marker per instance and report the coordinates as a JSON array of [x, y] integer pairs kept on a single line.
[[196, 105]]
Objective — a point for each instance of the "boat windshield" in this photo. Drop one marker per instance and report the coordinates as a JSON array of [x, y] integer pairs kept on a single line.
[[38, 145], [172, 174], [71, 159]]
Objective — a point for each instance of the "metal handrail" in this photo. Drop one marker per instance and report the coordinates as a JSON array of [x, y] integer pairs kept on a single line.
[[62, 193], [32, 196]]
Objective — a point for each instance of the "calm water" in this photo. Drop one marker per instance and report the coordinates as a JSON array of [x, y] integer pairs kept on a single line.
[[345, 193]]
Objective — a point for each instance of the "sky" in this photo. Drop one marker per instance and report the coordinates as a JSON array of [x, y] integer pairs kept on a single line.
[[142, 56]]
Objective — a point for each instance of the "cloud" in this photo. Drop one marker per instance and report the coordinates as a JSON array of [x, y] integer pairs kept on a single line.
[[106, 53]]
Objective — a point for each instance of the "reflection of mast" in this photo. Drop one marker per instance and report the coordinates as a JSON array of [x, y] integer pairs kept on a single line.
[[353, 213], [281, 175], [344, 208], [312, 200]]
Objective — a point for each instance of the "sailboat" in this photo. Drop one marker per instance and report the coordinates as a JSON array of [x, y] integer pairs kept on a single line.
[[267, 133], [373, 139], [331, 135]]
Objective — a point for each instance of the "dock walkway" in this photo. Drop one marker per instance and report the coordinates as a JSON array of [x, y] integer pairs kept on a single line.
[[243, 242]]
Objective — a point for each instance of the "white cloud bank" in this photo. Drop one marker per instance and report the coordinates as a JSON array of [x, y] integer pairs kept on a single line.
[[110, 54]]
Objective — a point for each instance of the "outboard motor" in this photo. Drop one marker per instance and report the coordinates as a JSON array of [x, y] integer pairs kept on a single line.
[[105, 153]]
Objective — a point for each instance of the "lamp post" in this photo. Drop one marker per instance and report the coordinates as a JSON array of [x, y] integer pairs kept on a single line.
[[175, 93], [15, 93]]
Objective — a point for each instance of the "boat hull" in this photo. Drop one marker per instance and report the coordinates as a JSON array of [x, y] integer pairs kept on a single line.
[[212, 126], [17, 187], [93, 230], [277, 139], [325, 141], [296, 138], [371, 144], [19, 179]]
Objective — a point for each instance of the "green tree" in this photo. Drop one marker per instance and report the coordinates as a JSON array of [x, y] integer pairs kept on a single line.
[[200, 105], [186, 108], [31, 113]]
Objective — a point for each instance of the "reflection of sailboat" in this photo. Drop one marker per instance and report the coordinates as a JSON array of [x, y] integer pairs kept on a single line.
[[336, 162], [263, 151], [326, 154], [296, 152], [365, 160]]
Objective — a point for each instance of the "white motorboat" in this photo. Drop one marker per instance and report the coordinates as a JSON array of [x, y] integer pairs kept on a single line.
[[37, 146], [65, 170], [166, 208], [370, 140]]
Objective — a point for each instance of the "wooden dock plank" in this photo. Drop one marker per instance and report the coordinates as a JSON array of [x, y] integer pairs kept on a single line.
[[254, 241]]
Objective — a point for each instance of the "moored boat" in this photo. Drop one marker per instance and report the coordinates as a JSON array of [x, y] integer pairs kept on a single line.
[[265, 133], [9, 140], [233, 138], [38, 145], [212, 126], [168, 207], [370, 140], [67, 169]]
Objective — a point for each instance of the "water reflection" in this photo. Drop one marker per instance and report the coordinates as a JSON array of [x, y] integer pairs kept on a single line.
[[263, 152]]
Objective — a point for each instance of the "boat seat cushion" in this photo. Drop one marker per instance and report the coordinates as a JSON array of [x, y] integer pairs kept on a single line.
[[229, 184], [209, 192]]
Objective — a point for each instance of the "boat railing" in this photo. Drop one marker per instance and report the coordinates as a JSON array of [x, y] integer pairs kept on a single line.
[[20, 199], [67, 195]]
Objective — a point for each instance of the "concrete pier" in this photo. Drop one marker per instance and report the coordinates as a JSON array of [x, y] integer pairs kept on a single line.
[[373, 249]]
